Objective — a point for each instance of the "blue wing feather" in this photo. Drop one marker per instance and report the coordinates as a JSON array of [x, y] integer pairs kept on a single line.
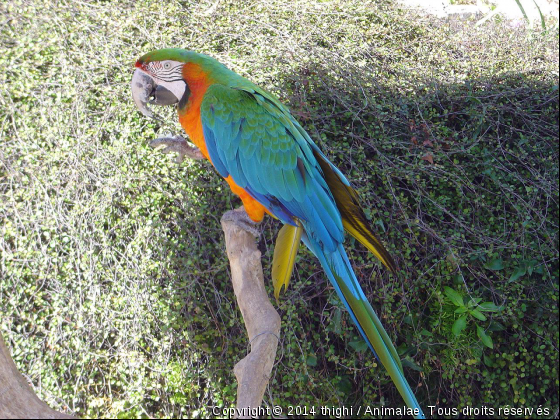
[[213, 152]]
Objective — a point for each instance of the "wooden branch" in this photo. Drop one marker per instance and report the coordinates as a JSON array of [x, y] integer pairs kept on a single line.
[[17, 399], [261, 319]]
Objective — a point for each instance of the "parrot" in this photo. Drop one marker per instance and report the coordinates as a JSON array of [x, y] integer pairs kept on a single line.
[[272, 164]]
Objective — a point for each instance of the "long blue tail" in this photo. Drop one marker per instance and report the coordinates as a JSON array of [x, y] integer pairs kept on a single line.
[[340, 273]]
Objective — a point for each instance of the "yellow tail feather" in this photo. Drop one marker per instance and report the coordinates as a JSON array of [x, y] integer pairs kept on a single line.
[[285, 251], [370, 242]]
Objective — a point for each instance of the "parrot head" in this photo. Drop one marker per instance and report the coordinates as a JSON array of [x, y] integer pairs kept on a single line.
[[159, 80]]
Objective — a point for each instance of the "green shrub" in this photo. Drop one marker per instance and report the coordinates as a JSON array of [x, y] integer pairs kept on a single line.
[[115, 295]]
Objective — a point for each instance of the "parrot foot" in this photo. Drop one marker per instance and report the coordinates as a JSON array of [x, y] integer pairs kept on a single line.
[[240, 217], [177, 144]]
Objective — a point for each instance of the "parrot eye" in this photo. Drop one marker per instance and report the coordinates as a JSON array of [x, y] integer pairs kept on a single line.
[[166, 66]]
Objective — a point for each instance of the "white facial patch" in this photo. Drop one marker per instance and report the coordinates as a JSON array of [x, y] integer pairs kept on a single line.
[[169, 74]]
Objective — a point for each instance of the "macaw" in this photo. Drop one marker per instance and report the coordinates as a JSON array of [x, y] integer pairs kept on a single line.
[[274, 166]]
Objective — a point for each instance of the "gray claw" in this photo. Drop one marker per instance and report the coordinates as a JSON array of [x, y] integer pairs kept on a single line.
[[240, 217], [179, 145]]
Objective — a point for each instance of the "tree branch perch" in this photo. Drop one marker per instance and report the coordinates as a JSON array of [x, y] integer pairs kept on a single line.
[[261, 319], [17, 399]]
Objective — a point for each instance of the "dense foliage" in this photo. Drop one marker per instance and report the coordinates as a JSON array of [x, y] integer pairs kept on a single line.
[[115, 295]]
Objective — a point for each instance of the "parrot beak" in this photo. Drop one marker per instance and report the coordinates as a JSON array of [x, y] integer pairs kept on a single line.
[[163, 96], [142, 86], [145, 90]]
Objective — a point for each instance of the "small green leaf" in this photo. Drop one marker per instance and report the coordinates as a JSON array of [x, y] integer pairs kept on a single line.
[[344, 385], [359, 345], [530, 266], [488, 361], [496, 326], [337, 321], [454, 296], [461, 310], [517, 273], [477, 314], [485, 338], [410, 364], [495, 264], [402, 349], [459, 325], [312, 360], [488, 307]]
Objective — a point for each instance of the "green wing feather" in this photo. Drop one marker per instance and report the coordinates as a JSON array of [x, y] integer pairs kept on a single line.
[[353, 217]]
